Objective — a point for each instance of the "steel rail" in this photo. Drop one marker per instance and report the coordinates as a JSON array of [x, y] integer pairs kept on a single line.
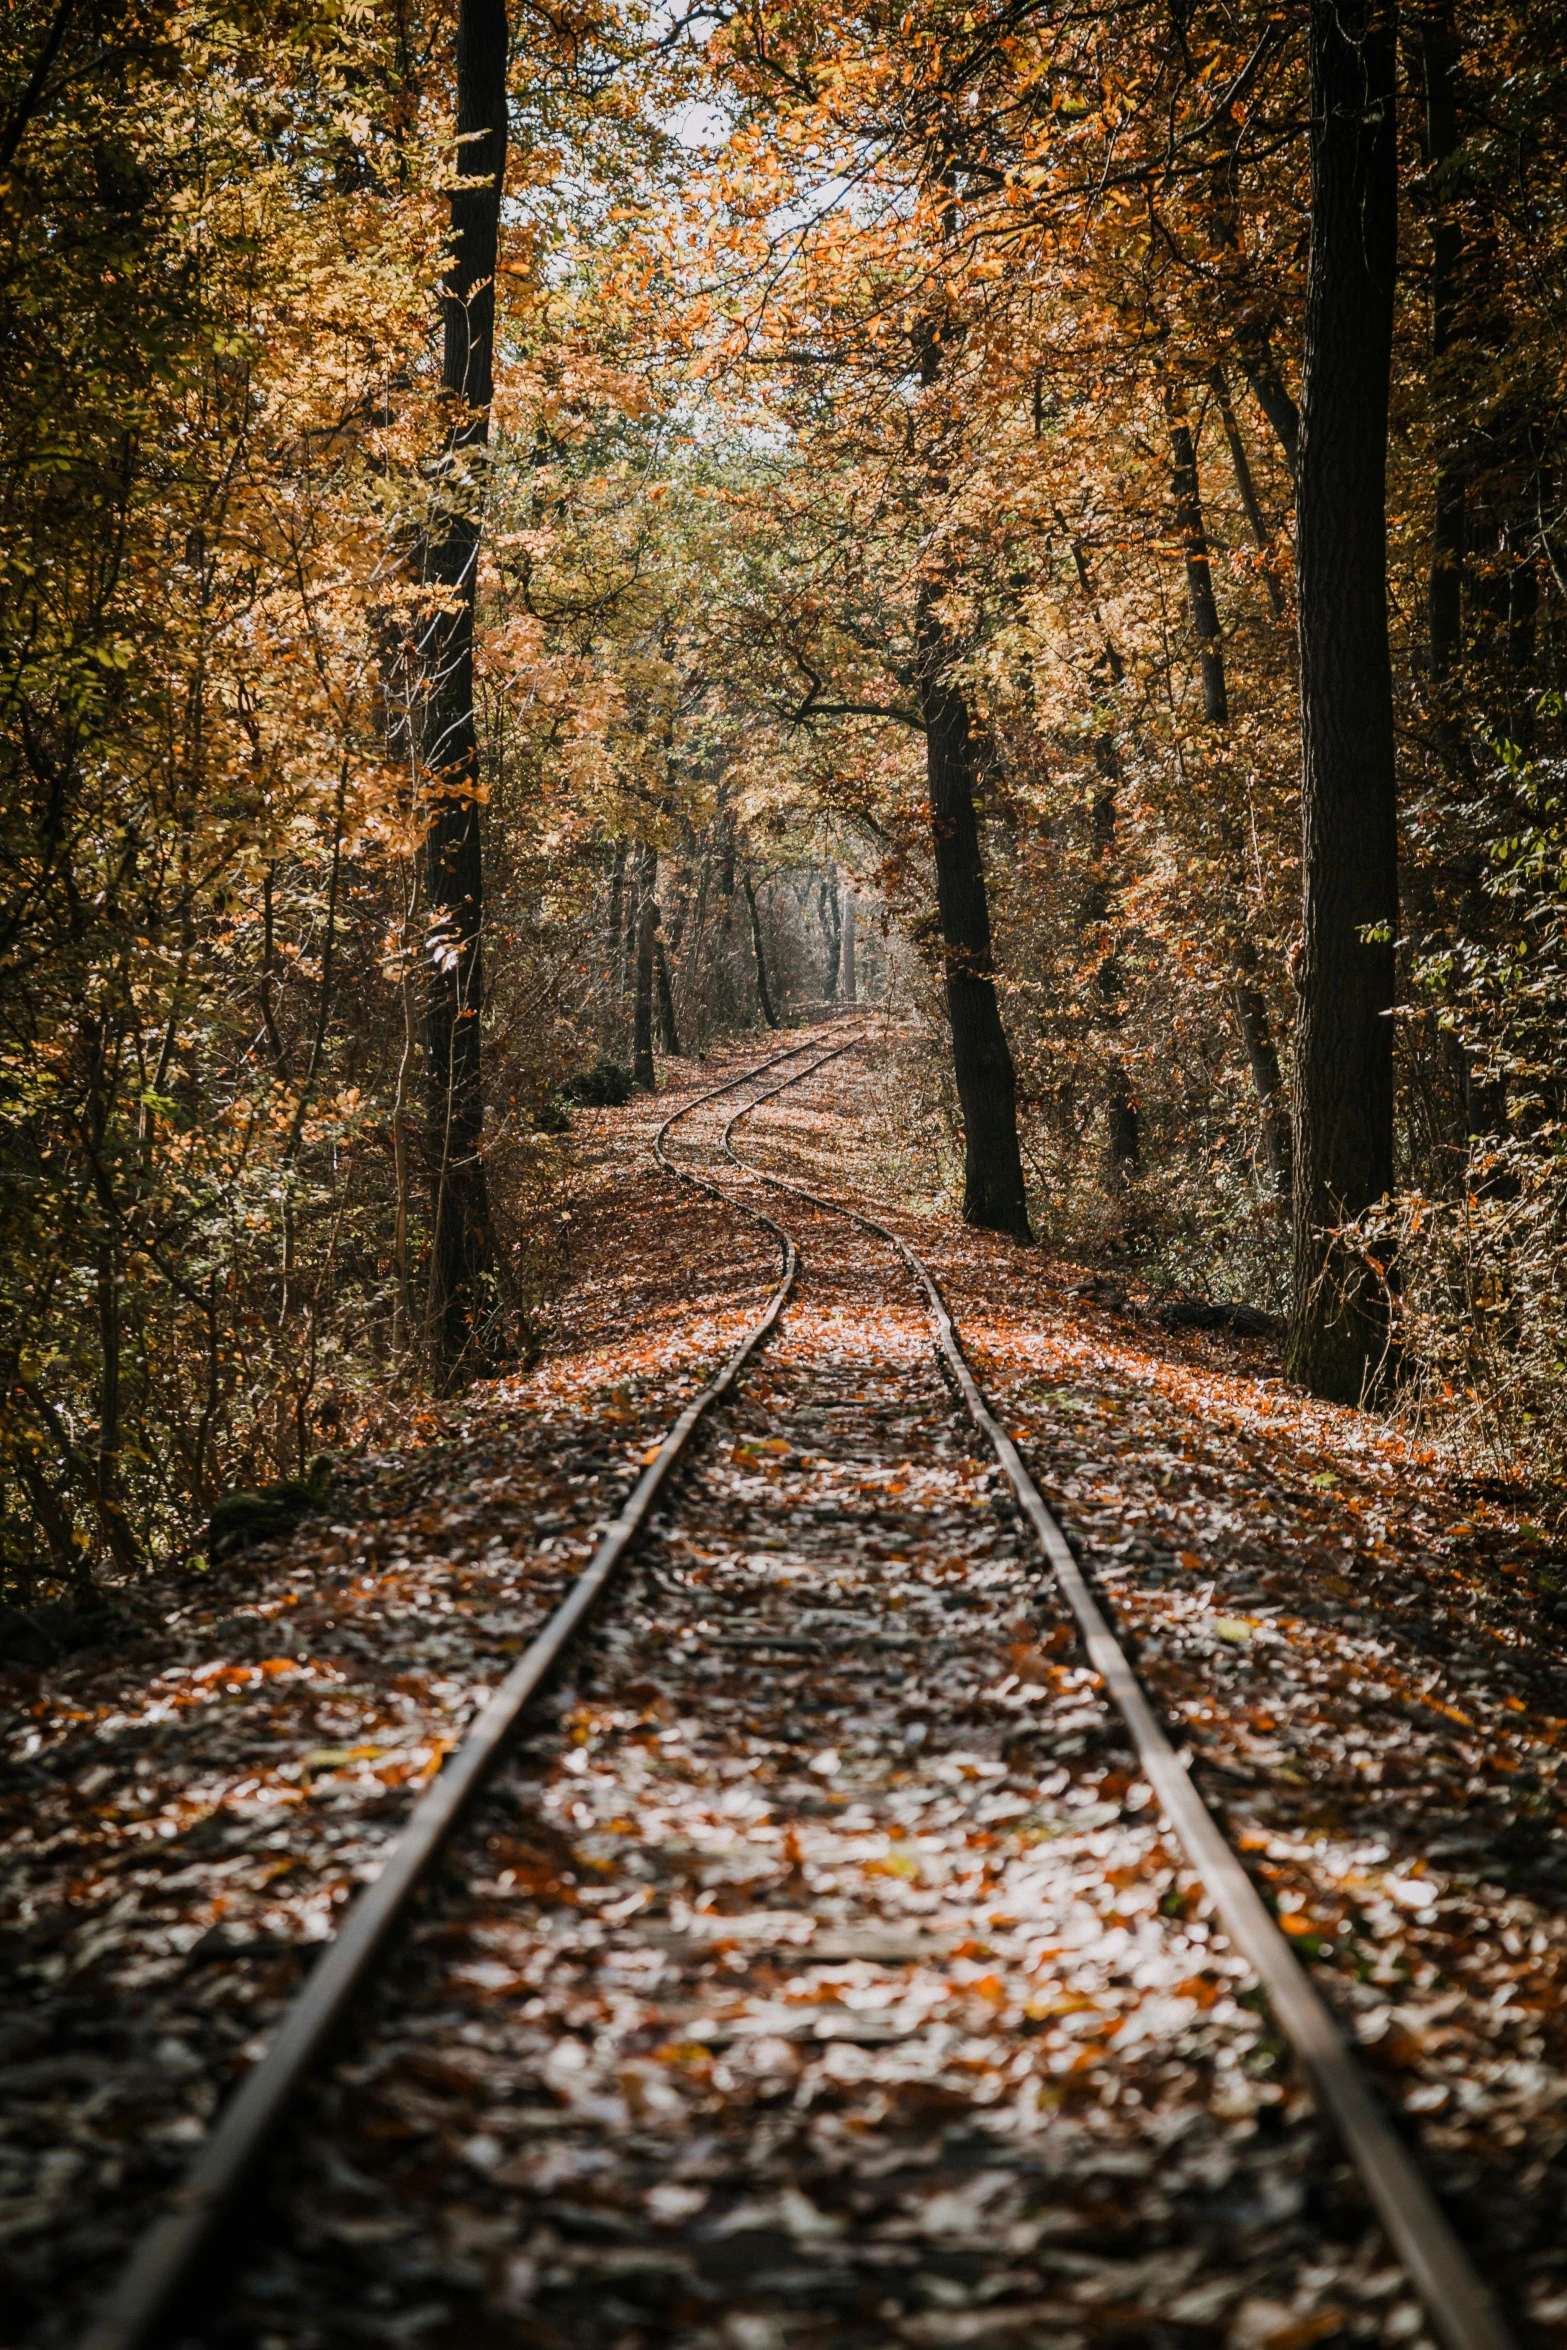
[[1460, 2308], [166, 2256]]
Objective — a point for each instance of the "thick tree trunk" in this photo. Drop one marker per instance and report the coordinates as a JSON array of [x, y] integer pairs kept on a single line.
[[1344, 1041], [993, 1194], [642, 1071], [460, 1303], [763, 991]]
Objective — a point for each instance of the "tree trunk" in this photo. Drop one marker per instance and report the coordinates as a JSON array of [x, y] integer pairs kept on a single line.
[[1344, 1041], [693, 994], [1251, 1011], [1199, 572], [1271, 394], [642, 1072], [668, 1032], [832, 924], [1523, 600], [764, 993], [1123, 1127], [993, 1195], [1262, 1057], [848, 974], [631, 916], [461, 1303], [1250, 503], [1123, 1131], [1444, 589], [617, 918]]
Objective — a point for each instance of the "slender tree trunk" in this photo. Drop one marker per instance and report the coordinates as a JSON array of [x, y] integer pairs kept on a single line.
[[848, 969], [642, 1072], [1523, 603], [1271, 394], [1253, 343], [1444, 589], [1199, 572], [1344, 1042], [667, 963], [729, 987], [764, 993], [626, 962], [693, 995], [1251, 505], [832, 924], [1123, 1128], [617, 918], [993, 1194], [1251, 1010], [403, 1319], [1123, 1133], [69, 1556], [269, 971], [668, 1032], [1262, 1058], [461, 1301]]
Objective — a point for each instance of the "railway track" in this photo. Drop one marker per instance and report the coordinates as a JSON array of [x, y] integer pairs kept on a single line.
[[787, 1984]]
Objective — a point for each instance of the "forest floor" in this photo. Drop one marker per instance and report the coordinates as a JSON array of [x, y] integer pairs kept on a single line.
[[817, 1972]]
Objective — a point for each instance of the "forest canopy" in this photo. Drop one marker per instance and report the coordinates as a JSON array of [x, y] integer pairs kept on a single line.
[[534, 539]]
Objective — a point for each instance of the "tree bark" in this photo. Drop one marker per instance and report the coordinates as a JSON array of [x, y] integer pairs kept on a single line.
[[631, 916], [1199, 572], [763, 991], [1444, 588], [1123, 1129], [693, 994], [993, 1194], [617, 918], [1344, 1040], [1523, 599], [1271, 394], [1250, 503], [849, 976], [1262, 1057], [668, 1031], [642, 1071], [1251, 1010], [832, 924], [461, 1300]]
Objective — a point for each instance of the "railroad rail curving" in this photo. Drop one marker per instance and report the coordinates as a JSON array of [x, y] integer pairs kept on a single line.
[[1461, 2310], [166, 2259], [169, 2251]]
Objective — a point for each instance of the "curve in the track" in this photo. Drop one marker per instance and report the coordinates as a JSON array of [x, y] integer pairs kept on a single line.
[[1460, 2310], [1456, 2301], [168, 2253]]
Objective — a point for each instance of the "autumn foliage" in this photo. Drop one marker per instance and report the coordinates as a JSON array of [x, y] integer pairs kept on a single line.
[[852, 365]]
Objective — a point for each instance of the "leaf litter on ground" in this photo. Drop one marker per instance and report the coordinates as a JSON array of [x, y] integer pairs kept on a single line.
[[818, 1971]]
